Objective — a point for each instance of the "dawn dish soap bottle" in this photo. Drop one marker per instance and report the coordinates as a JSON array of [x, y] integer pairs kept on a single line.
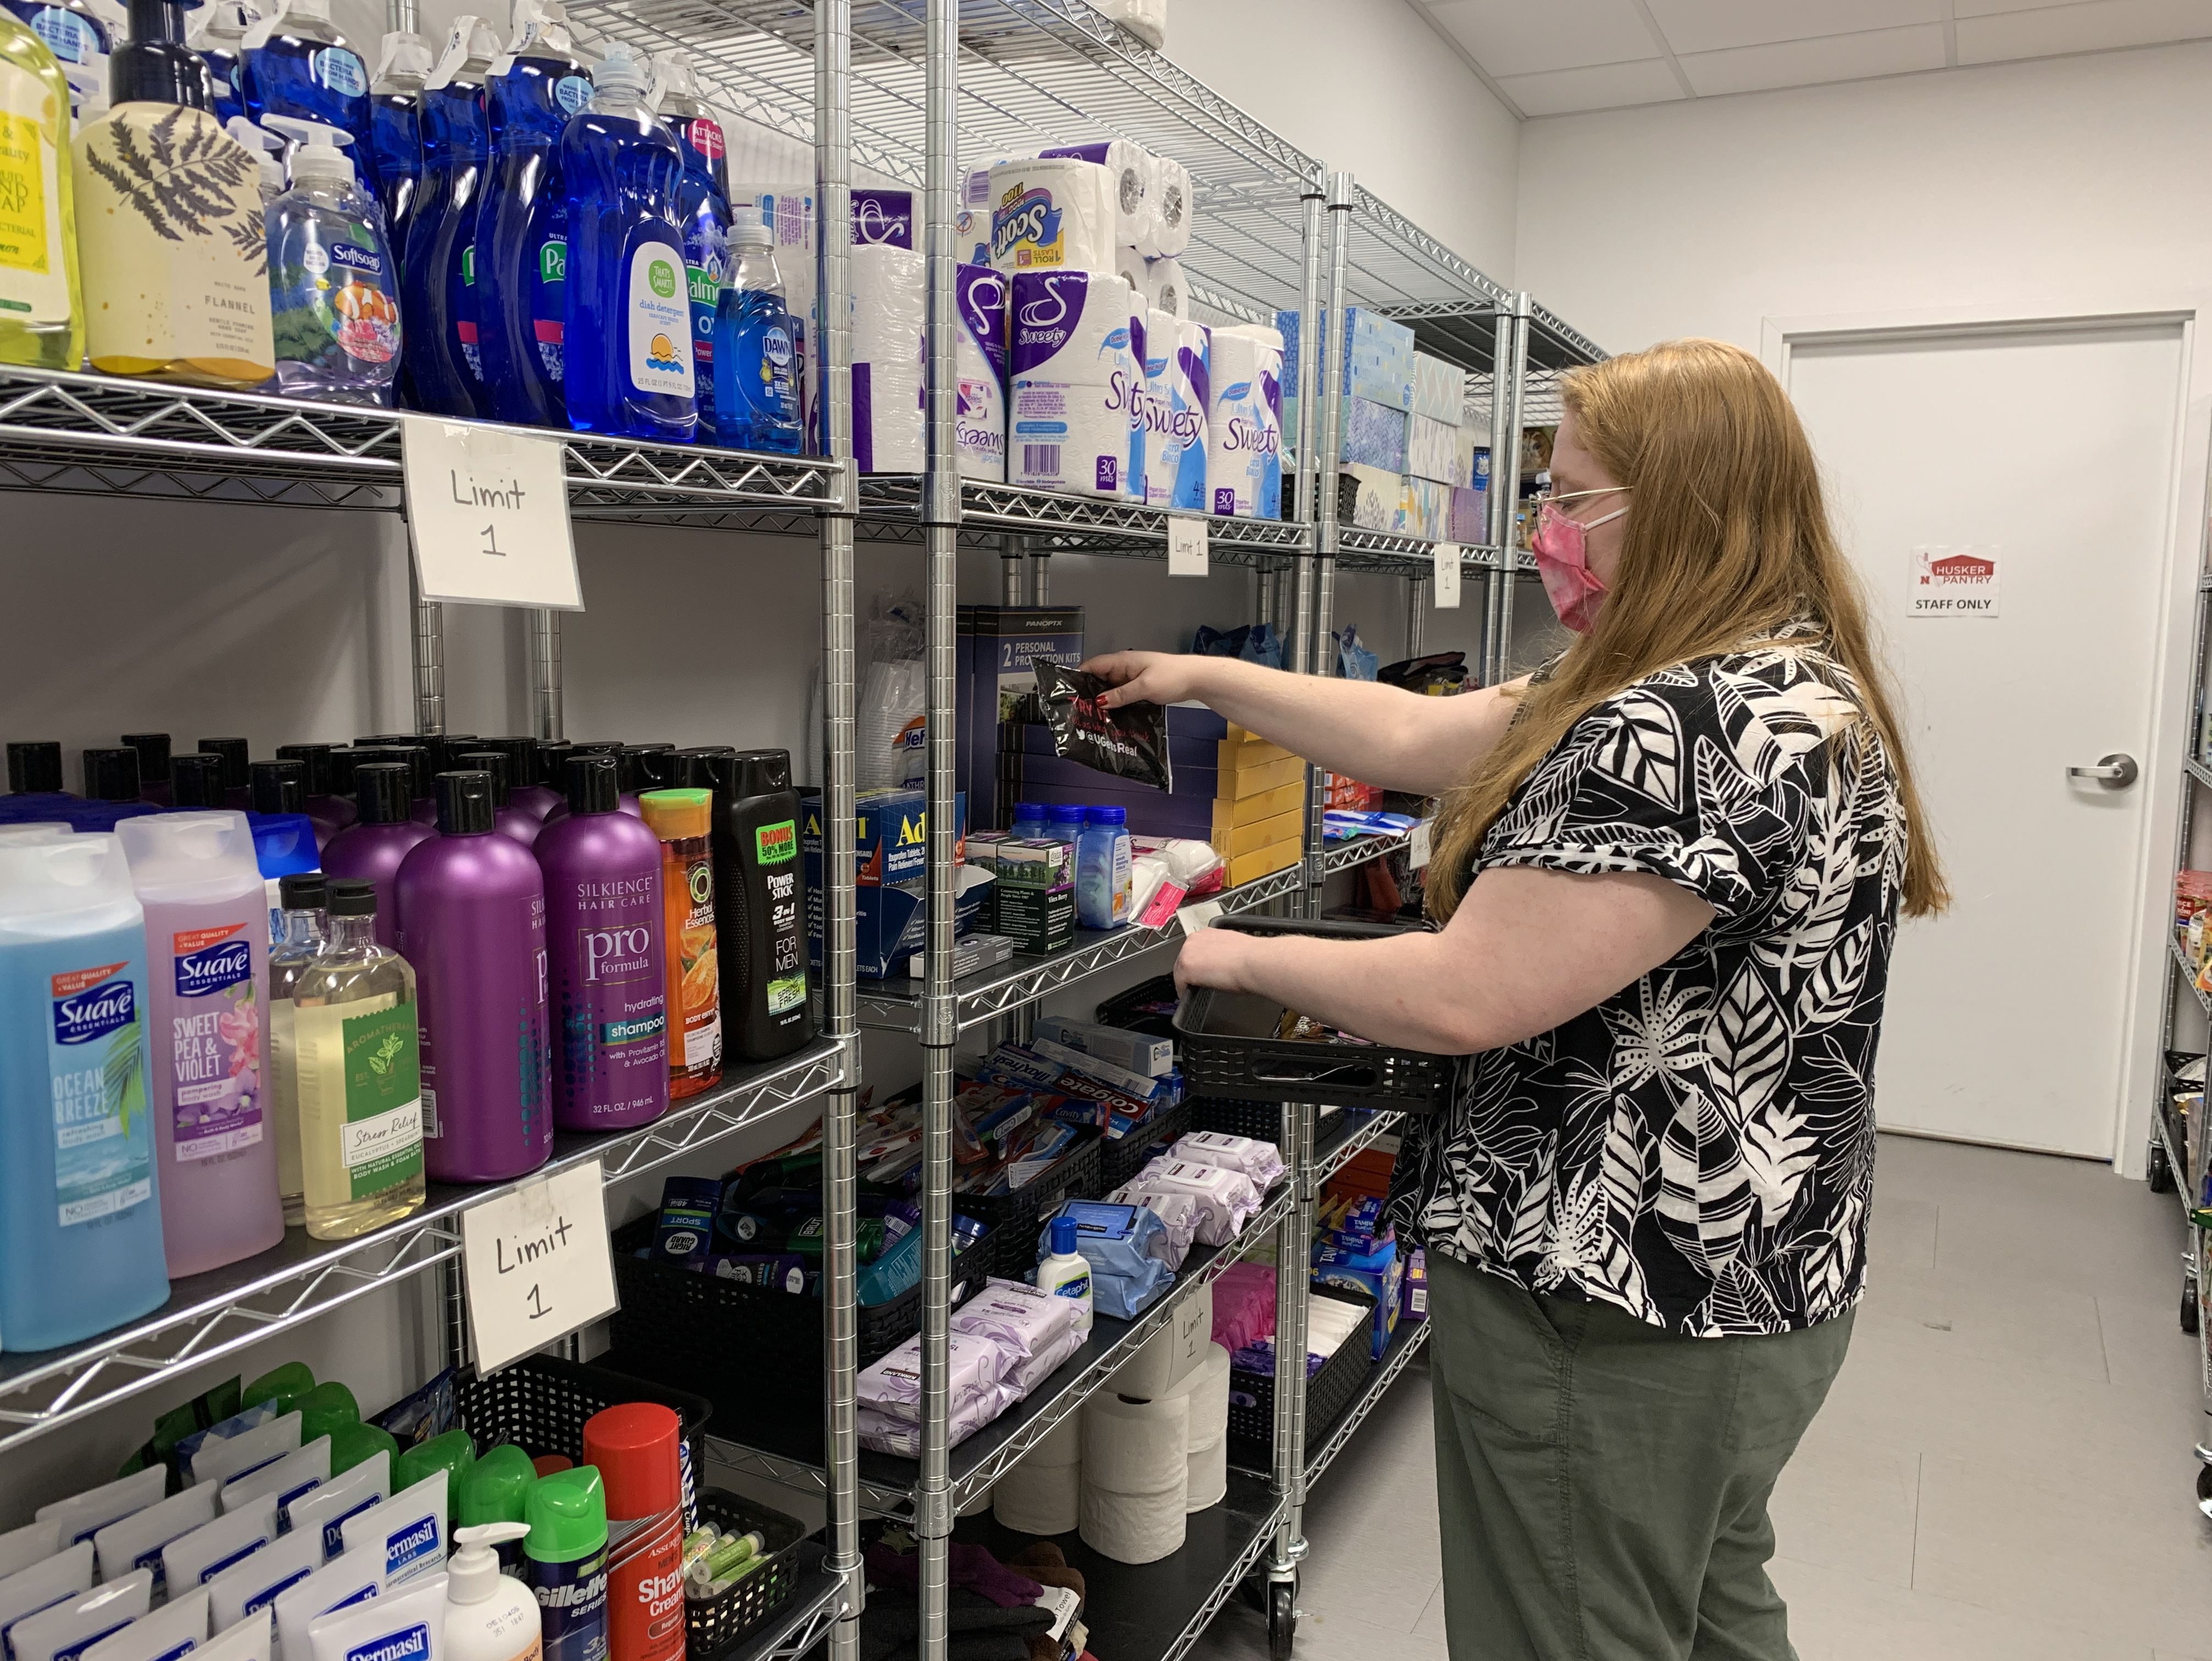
[[168, 216], [629, 316], [218, 35], [331, 284], [395, 128], [299, 66], [78, 38], [443, 367], [522, 229], [41, 303], [702, 204], [755, 389]]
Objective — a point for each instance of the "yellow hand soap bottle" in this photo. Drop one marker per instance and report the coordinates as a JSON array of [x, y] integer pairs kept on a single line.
[[41, 307], [168, 211]]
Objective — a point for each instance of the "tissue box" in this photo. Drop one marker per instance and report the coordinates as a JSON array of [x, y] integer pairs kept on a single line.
[[1431, 449], [1439, 389], [1378, 357], [1374, 435], [1367, 497], [1424, 509], [1470, 516]]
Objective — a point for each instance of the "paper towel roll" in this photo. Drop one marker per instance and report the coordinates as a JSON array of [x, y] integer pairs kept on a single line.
[[1245, 424], [1058, 215], [1165, 287], [1134, 1528], [1035, 1499], [1207, 1389], [1208, 1479], [1135, 1446], [979, 421], [1168, 225], [890, 302], [1130, 171], [1077, 411]]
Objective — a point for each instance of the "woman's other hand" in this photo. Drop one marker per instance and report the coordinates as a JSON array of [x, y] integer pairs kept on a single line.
[[1147, 677]]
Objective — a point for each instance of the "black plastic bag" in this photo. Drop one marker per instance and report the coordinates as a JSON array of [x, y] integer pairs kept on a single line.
[[1130, 742]]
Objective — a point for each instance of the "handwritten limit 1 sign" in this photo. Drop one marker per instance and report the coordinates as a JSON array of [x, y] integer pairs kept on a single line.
[[487, 513], [538, 1265]]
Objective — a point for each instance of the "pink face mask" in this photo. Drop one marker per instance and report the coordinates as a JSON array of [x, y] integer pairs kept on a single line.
[[1562, 561]]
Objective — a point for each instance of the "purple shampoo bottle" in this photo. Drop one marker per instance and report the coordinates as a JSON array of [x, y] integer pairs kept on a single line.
[[385, 833], [473, 923], [607, 938], [506, 818]]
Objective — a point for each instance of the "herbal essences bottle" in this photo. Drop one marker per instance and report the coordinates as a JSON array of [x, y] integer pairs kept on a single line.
[[306, 930], [606, 930], [207, 954], [627, 352], [80, 1201], [385, 833], [522, 229], [360, 1079], [332, 280], [702, 208], [41, 304], [168, 208], [472, 926], [444, 371], [395, 128], [683, 822], [756, 386]]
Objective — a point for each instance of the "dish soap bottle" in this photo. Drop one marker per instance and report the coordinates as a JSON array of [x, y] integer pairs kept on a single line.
[[42, 305], [444, 370], [218, 35], [395, 128], [522, 229], [360, 1079], [299, 66], [628, 313], [755, 387], [489, 1616], [176, 269], [306, 930], [702, 208], [331, 278], [78, 38]]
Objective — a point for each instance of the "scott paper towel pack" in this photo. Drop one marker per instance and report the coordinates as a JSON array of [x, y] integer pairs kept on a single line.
[[890, 304], [1176, 385], [1244, 423], [1059, 214], [1130, 169], [1077, 416], [979, 418]]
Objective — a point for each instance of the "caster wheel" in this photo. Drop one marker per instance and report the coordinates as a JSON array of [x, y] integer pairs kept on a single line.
[[2161, 1170], [2204, 1490], [2189, 1316], [1282, 1618]]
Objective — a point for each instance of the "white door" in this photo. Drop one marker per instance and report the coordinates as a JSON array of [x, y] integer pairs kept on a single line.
[[2006, 1018]]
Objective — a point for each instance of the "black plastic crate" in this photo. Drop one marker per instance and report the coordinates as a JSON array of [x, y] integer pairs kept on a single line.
[[541, 1402], [713, 1625], [1125, 1010], [1017, 1219], [1328, 1392], [1122, 1159], [1262, 1121]]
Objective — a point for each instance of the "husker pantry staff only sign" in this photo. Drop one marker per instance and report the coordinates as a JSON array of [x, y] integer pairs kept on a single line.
[[1953, 582]]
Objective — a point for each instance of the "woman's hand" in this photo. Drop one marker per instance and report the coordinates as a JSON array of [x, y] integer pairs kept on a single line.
[[1214, 957], [1148, 677]]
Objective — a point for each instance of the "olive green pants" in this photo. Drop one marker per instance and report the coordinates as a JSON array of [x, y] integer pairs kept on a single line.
[[1601, 1485]]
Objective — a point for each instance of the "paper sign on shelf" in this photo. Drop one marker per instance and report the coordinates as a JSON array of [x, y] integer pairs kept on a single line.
[[538, 1265], [1194, 918], [1186, 545], [1417, 844], [1446, 588], [487, 514], [1953, 582]]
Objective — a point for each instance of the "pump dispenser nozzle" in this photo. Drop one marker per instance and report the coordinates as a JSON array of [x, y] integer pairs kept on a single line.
[[472, 1572], [155, 66], [264, 145], [316, 154]]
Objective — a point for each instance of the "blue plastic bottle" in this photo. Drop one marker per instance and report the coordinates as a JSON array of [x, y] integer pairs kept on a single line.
[[1101, 870], [79, 1214], [443, 367], [80, 41], [395, 128], [629, 316], [755, 350], [522, 229], [298, 65], [1030, 822], [333, 292], [702, 202], [218, 35]]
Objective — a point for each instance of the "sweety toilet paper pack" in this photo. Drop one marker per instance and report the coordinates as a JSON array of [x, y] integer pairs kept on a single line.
[[1177, 384], [979, 418], [1245, 424], [1078, 384]]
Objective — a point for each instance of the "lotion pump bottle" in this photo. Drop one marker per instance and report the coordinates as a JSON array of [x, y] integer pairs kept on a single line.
[[489, 1616]]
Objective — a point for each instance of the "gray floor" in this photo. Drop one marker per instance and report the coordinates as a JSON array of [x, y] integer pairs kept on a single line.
[[2001, 1473]]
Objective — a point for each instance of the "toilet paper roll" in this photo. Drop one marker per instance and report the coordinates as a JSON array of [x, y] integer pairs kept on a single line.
[[1207, 1482], [1033, 1499], [1165, 287], [1167, 224], [1245, 424], [1135, 1446], [1077, 418], [979, 420], [1134, 1528], [1207, 1389], [1129, 170], [1055, 215], [1063, 1446], [982, 1502], [890, 303], [1175, 384], [1129, 266]]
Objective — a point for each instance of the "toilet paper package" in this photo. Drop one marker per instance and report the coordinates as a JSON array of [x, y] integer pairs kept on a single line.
[[1076, 415], [1431, 449], [1129, 266], [1134, 1528], [883, 217], [1129, 173], [1167, 227], [1205, 1479], [890, 302], [1034, 1498], [1245, 424], [979, 420], [1164, 287], [1057, 215], [1439, 389], [1135, 1446], [1177, 356]]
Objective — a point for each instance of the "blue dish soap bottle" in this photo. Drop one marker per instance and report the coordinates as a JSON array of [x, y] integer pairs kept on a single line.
[[755, 387], [395, 130], [220, 39], [333, 294], [702, 203], [298, 65], [443, 366], [522, 229], [80, 1210], [628, 315], [80, 41]]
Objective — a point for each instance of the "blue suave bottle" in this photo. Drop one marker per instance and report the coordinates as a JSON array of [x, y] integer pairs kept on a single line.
[[79, 1214], [522, 229], [756, 348], [702, 203], [628, 312], [395, 130], [443, 368]]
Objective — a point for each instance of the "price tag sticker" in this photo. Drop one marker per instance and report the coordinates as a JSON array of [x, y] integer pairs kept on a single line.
[[1194, 918], [1417, 844], [538, 1264], [1446, 585], [1186, 545], [487, 513]]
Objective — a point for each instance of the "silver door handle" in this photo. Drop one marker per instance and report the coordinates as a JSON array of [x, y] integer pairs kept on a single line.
[[2113, 771]]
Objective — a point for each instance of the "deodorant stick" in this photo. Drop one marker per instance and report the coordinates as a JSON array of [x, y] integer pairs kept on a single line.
[[635, 1447]]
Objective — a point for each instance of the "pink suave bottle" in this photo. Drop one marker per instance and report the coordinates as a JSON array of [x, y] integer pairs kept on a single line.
[[207, 973]]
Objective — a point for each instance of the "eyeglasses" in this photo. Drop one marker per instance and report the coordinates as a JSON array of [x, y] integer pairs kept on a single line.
[[1558, 499]]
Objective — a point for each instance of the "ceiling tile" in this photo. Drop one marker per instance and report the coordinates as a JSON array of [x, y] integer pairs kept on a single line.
[[2096, 25], [1809, 63], [1606, 87], [1510, 38], [1697, 25]]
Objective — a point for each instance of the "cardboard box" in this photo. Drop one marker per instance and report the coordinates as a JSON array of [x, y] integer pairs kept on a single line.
[[1231, 754], [1003, 643], [1263, 834], [1036, 919], [1264, 862], [1236, 783], [1252, 809]]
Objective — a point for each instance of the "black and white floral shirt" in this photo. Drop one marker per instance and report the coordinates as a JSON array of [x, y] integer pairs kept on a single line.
[[1698, 1149]]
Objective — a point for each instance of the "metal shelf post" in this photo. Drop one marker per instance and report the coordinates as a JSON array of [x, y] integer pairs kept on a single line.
[[1314, 632], [1515, 380], [543, 626]]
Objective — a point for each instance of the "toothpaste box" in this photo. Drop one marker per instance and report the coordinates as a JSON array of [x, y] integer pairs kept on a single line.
[[1139, 1052]]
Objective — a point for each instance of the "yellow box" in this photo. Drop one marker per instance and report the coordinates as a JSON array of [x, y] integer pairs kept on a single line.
[[1263, 862], [1229, 812], [1262, 833], [1246, 752], [1237, 782]]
